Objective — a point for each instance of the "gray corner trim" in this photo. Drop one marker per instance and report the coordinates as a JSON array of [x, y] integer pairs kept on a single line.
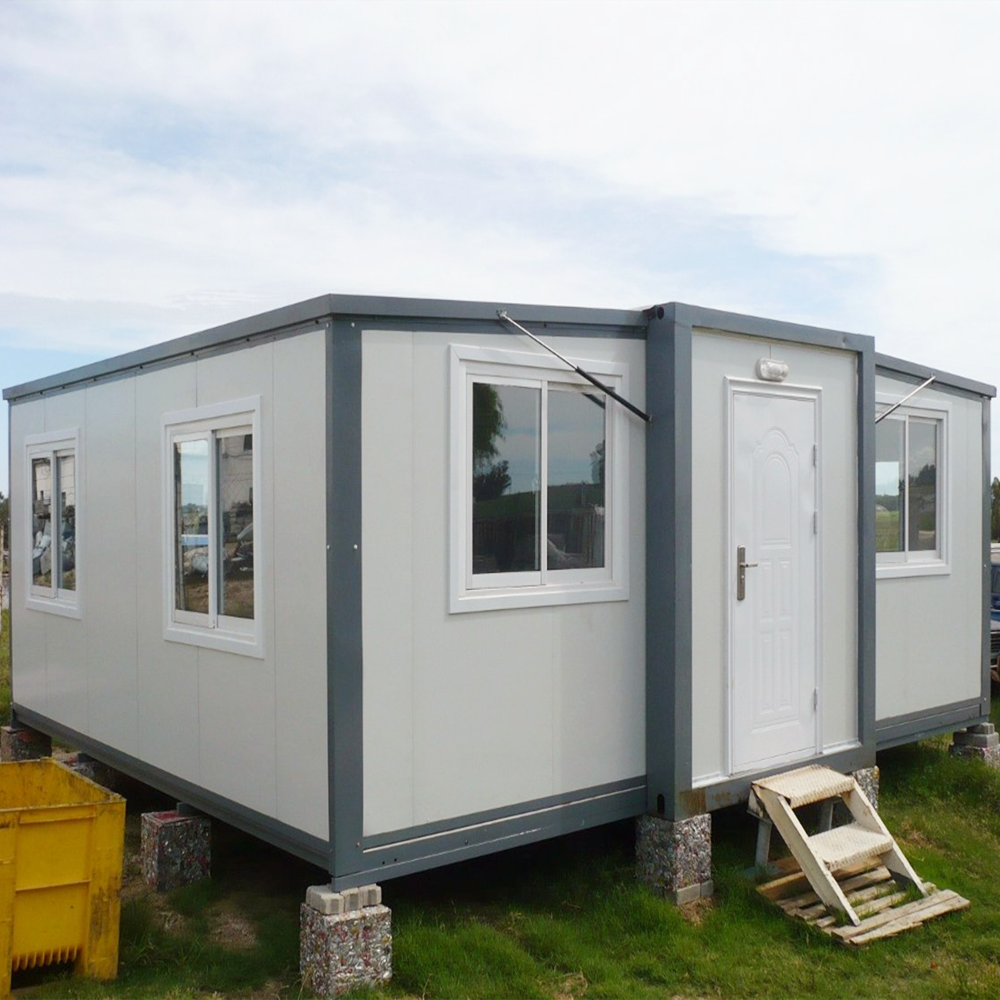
[[866, 545], [668, 565], [281, 835], [930, 722], [345, 653], [448, 847], [376, 309], [943, 381], [487, 816], [987, 556], [698, 317]]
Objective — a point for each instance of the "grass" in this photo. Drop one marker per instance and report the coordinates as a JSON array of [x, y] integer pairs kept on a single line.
[[564, 919]]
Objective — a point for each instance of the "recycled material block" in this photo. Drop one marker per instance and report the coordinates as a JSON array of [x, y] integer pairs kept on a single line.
[[176, 849], [341, 951]]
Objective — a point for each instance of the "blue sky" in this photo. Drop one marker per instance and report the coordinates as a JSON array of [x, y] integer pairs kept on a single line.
[[165, 167]]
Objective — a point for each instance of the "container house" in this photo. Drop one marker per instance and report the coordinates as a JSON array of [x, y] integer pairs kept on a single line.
[[389, 584]]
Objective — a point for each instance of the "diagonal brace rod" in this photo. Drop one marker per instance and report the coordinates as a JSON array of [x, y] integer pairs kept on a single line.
[[606, 389]]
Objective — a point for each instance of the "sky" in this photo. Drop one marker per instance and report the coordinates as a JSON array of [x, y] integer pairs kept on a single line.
[[169, 166]]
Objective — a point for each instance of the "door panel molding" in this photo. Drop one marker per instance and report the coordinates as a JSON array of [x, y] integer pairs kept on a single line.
[[783, 720]]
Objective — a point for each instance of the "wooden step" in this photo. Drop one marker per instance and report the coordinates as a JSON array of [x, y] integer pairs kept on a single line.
[[823, 856], [845, 845], [807, 784]]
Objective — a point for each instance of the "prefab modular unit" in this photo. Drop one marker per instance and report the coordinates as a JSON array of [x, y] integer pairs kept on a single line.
[[388, 584]]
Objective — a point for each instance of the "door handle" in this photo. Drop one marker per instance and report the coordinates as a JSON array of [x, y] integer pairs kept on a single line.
[[741, 572]]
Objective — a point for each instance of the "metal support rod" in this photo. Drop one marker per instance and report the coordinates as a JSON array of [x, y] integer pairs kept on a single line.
[[909, 395], [606, 389]]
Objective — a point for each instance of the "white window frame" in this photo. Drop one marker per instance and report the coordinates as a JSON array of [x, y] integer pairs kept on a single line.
[[546, 587], [212, 630], [53, 445], [907, 563]]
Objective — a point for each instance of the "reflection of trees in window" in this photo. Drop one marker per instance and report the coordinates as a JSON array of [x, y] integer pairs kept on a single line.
[[511, 488], [906, 501], [490, 477]]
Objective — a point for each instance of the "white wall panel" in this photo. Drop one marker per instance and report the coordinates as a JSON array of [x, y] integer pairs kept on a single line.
[[237, 729], [714, 357], [388, 543], [929, 628], [110, 561], [167, 671], [489, 724], [29, 665], [298, 529]]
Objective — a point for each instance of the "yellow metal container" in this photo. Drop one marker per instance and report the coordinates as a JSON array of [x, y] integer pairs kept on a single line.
[[61, 848]]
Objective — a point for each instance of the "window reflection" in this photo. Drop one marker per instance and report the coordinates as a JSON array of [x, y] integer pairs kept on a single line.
[[191, 530], [41, 522], [235, 464], [922, 495], [576, 452], [889, 485], [506, 478]]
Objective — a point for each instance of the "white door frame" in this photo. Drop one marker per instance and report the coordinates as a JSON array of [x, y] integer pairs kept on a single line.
[[735, 386]]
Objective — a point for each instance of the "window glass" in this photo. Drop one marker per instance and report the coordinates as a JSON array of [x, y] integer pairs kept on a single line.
[[506, 478], [575, 481], [191, 525], [889, 445], [66, 465], [235, 477], [922, 492], [41, 522]]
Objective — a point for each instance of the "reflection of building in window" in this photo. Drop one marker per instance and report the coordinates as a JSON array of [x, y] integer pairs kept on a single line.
[[52, 467], [212, 476], [908, 511]]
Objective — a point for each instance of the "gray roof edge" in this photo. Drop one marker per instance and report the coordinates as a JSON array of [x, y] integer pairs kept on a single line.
[[760, 326], [884, 363], [317, 309], [275, 319]]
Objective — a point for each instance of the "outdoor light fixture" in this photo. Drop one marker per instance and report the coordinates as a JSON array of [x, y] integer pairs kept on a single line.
[[772, 371]]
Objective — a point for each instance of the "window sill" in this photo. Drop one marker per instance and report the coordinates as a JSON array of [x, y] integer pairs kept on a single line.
[[54, 606], [243, 644], [536, 597], [884, 571]]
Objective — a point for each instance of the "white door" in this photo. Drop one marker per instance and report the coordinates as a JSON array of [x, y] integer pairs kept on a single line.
[[774, 590]]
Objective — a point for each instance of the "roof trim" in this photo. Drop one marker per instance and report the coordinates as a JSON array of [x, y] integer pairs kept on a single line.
[[319, 310], [886, 365]]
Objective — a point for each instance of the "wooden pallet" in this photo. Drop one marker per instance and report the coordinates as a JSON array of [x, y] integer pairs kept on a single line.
[[878, 901]]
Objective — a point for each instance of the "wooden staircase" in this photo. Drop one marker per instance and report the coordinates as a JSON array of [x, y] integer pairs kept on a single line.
[[832, 858]]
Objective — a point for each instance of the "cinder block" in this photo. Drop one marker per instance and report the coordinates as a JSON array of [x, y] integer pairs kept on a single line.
[[352, 899], [983, 728], [981, 740], [371, 895], [324, 900], [176, 850], [340, 952]]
